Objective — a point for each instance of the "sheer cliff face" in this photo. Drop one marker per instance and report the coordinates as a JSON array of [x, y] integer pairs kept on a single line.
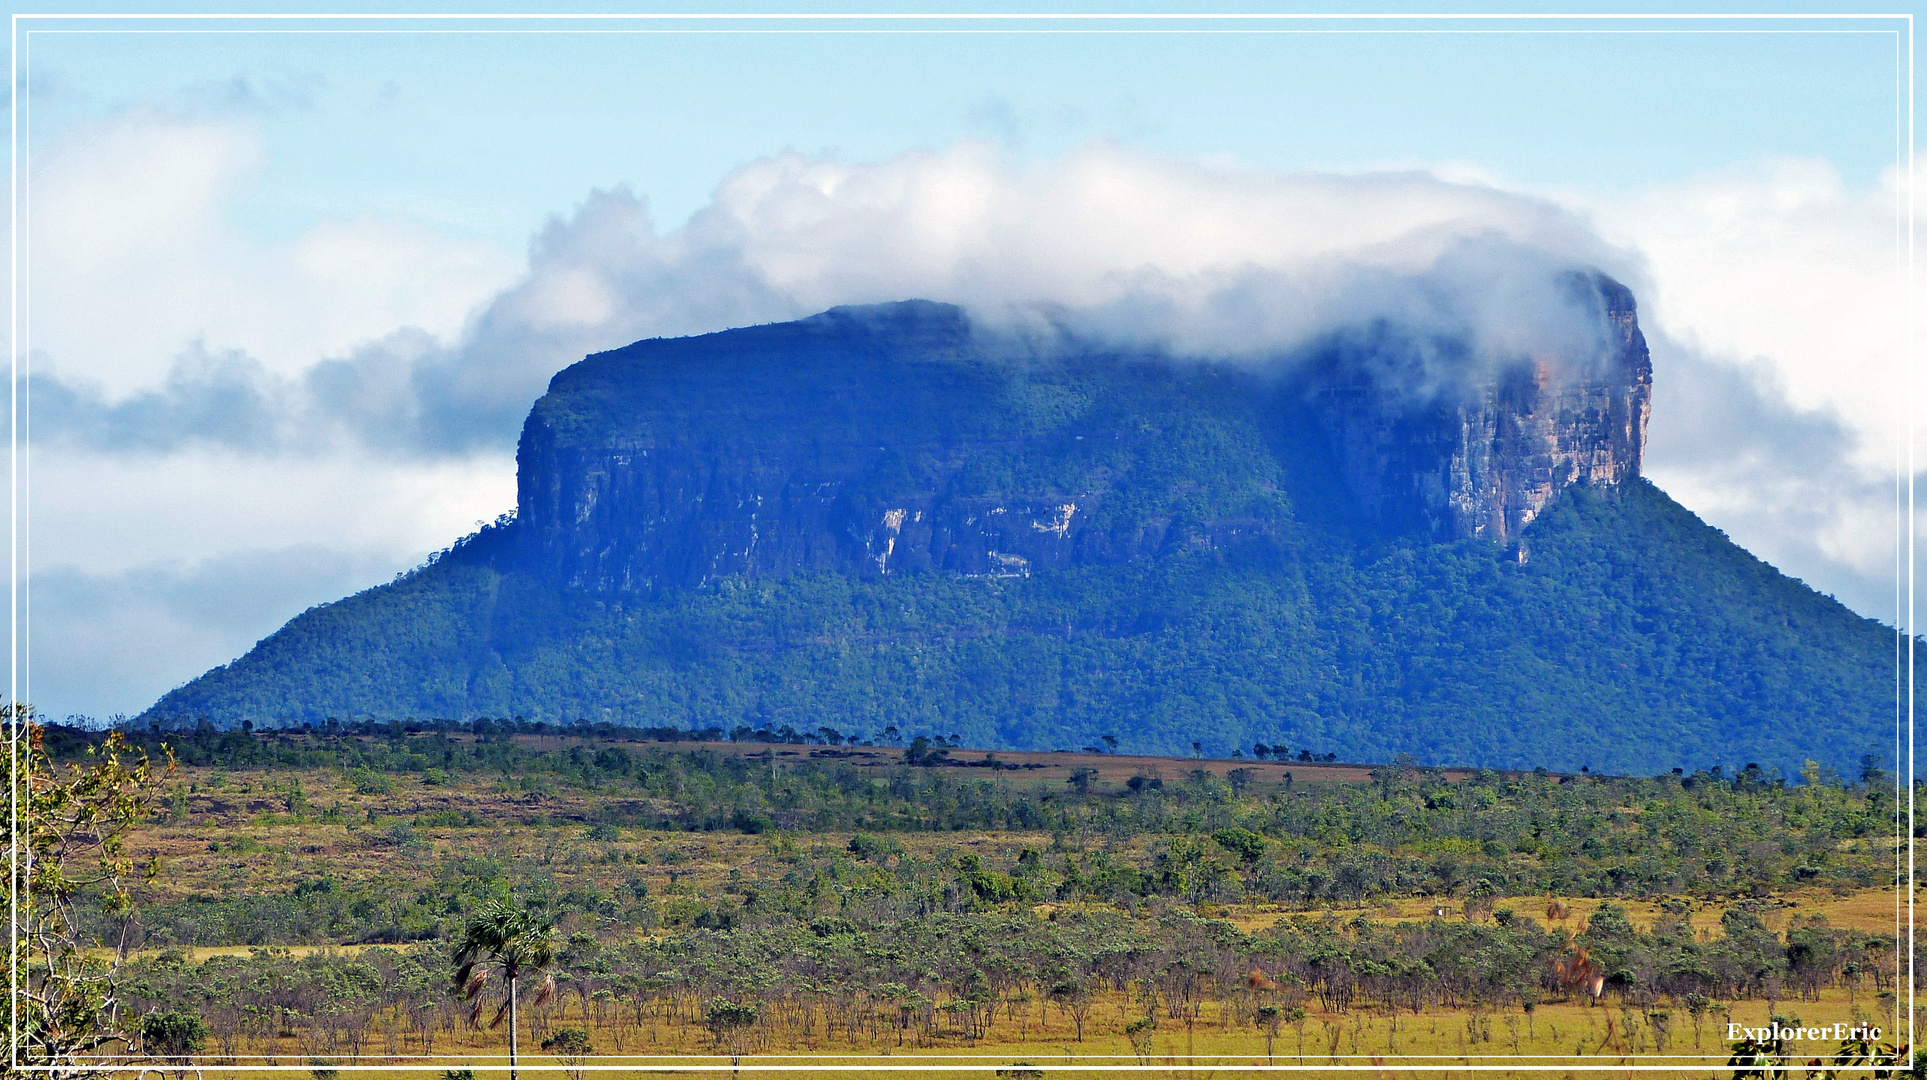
[[1484, 458], [876, 441], [888, 440]]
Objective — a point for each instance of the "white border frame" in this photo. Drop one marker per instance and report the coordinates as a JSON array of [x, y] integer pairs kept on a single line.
[[18, 482]]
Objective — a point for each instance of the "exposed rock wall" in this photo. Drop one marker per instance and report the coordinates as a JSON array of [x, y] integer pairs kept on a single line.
[[880, 441], [855, 442], [1482, 460], [641, 517]]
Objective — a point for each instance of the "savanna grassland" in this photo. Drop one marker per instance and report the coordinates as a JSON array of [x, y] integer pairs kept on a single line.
[[768, 899]]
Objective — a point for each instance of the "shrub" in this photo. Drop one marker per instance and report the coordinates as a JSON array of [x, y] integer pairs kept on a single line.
[[369, 782], [173, 1035]]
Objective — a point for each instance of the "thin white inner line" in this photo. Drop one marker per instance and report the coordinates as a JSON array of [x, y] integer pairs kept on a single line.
[[1173, 32], [1912, 635], [979, 16], [19, 328], [16, 812]]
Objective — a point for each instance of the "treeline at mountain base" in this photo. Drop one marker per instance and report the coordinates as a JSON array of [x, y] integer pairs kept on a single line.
[[747, 899]]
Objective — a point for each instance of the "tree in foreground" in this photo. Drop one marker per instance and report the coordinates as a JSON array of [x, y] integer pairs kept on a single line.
[[501, 946], [571, 1045], [69, 828], [1269, 1018], [173, 1037], [729, 1023]]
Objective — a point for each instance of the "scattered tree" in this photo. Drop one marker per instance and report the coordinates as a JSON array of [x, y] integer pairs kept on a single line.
[[510, 943], [1269, 1017], [73, 844], [571, 1046], [173, 1037], [729, 1024]]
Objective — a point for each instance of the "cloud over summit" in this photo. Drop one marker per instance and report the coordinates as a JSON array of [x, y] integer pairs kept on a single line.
[[1140, 249], [1128, 247]]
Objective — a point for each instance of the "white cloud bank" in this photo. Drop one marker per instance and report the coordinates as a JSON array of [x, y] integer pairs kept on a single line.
[[134, 252], [1777, 307], [1770, 384], [1781, 265], [1127, 244], [1113, 243]]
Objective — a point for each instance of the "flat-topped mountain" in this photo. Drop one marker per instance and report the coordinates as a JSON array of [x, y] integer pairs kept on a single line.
[[885, 517], [885, 439]]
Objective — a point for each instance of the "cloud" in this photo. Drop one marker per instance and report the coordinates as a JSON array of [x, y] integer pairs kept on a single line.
[[1106, 228], [106, 512], [135, 253], [1780, 266], [1776, 316], [136, 188], [1129, 247], [222, 399]]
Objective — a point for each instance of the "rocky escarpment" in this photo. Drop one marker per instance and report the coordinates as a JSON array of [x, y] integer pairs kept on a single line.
[[877, 441], [1457, 456], [892, 439]]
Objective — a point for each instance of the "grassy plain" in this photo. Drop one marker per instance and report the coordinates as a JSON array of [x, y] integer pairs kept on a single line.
[[249, 852], [229, 830], [1579, 1039]]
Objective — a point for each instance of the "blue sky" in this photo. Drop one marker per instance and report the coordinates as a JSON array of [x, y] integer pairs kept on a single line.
[[484, 133], [222, 219]]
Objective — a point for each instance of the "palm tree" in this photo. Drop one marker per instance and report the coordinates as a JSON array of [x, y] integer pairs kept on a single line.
[[508, 942]]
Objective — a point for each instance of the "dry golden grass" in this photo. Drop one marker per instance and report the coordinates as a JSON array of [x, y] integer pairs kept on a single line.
[[550, 828], [1580, 1039]]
